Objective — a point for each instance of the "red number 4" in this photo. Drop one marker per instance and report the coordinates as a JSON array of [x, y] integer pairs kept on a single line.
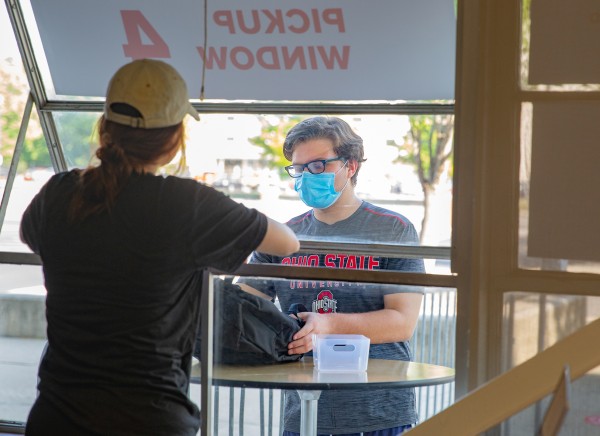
[[134, 23]]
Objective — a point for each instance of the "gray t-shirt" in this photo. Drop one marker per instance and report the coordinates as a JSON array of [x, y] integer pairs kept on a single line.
[[349, 411]]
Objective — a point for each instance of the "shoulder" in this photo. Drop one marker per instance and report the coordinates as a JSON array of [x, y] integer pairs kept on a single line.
[[380, 213], [60, 184], [178, 183], [65, 178], [383, 223], [177, 188]]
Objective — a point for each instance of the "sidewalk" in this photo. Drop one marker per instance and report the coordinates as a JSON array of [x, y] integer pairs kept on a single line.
[[19, 360]]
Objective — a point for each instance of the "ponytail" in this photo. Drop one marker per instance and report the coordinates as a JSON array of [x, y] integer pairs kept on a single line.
[[123, 150]]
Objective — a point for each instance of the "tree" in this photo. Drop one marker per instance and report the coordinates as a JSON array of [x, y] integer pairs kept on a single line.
[[428, 146], [75, 129], [13, 92], [273, 131], [77, 137]]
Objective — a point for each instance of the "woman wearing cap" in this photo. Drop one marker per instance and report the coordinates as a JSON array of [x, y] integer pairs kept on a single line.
[[122, 250]]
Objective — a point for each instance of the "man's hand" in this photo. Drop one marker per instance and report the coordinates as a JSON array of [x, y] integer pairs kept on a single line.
[[394, 323], [315, 323]]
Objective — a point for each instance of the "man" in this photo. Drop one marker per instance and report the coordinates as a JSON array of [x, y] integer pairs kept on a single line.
[[326, 157]]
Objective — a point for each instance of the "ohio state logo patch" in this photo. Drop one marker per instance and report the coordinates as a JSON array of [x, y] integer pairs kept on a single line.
[[325, 303]]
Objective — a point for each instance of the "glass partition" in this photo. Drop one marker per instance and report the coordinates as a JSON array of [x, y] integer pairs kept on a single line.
[[243, 407]]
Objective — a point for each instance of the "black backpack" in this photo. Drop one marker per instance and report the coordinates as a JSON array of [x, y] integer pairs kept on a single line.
[[248, 329]]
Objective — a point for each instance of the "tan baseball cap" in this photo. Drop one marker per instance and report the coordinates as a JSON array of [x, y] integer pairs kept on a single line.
[[153, 88]]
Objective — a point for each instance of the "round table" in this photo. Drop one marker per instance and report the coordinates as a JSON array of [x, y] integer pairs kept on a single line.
[[303, 377]]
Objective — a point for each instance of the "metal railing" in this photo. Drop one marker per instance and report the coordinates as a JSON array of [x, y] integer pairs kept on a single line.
[[434, 342]]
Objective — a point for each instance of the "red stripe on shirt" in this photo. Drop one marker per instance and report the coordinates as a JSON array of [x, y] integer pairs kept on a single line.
[[385, 214], [300, 219]]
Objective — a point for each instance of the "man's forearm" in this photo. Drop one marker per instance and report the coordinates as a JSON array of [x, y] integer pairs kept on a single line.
[[380, 326]]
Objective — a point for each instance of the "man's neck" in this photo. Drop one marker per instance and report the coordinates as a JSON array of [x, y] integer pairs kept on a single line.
[[343, 208]]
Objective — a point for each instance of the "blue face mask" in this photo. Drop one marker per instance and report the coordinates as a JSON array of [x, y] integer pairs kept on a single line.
[[317, 190]]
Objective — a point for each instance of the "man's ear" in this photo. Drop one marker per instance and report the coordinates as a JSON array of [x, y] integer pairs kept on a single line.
[[352, 166]]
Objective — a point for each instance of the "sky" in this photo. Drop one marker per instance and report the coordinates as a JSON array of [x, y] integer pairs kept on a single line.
[[8, 45]]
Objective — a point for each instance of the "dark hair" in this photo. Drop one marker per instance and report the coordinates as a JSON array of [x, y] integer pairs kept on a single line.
[[123, 150], [346, 143]]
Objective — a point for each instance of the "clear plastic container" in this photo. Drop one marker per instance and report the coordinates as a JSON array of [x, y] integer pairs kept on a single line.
[[340, 376], [341, 353]]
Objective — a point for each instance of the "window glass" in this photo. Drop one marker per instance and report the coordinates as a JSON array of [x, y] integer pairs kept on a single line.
[[236, 409], [581, 418], [78, 136], [34, 166], [550, 197], [22, 315], [33, 170], [22, 338], [532, 323], [558, 61], [26, 185], [239, 154], [408, 167]]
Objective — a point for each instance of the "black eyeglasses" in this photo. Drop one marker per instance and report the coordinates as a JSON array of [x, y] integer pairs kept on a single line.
[[313, 167]]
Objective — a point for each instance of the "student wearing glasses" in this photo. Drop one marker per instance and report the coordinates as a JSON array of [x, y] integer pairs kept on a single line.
[[326, 156]]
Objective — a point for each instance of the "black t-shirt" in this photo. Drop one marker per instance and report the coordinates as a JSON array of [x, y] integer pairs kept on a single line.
[[123, 297]]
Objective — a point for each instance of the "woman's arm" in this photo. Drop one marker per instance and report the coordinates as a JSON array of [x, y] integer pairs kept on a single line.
[[279, 240]]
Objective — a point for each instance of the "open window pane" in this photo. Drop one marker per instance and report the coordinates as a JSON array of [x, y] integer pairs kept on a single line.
[[34, 166]]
